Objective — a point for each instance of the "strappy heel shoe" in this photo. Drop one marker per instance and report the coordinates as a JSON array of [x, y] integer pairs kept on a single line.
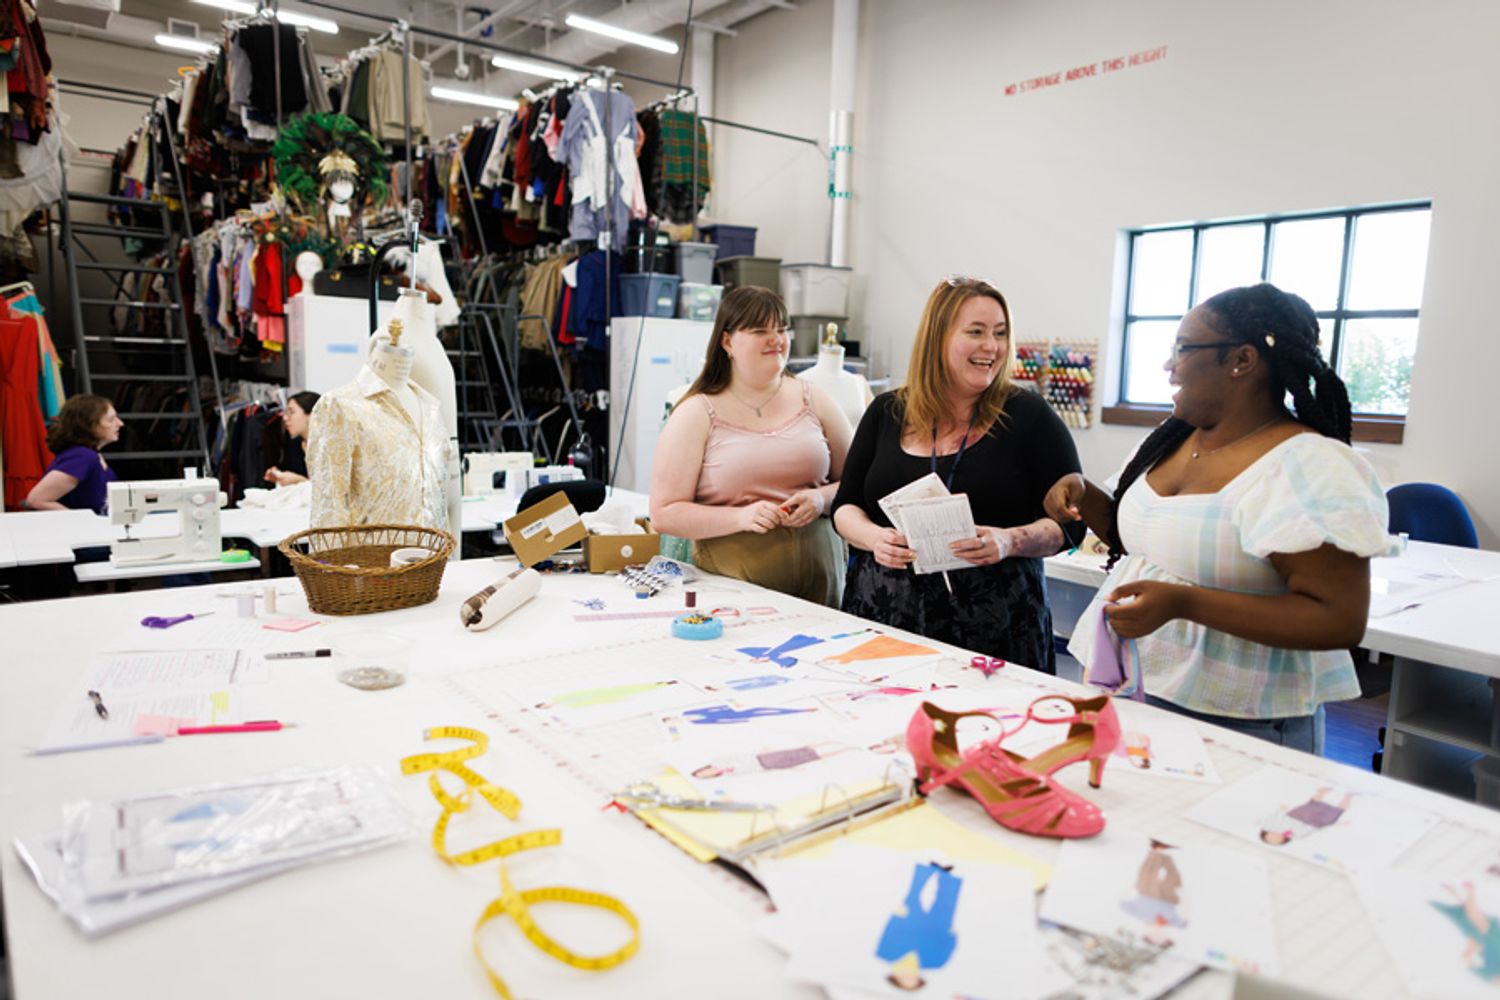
[[1093, 734], [1012, 795]]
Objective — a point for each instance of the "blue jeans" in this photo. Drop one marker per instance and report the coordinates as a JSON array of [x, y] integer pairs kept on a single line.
[[1298, 732]]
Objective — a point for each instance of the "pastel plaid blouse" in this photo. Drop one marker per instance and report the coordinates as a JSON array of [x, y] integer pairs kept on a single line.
[[1307, 491]]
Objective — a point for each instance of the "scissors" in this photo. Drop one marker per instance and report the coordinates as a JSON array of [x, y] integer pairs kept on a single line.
[[645, 794], [154, 621]]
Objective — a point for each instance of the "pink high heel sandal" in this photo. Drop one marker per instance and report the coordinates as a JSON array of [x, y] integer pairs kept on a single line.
[[1011, 794], [1093, 734]]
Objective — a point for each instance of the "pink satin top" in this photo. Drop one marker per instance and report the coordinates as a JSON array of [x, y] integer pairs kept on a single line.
[[741, 466]]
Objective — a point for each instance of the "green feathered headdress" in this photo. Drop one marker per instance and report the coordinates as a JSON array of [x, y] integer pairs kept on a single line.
[[310, 141]]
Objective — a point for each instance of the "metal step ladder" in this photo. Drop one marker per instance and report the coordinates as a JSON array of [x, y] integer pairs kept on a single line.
[[105, 357]]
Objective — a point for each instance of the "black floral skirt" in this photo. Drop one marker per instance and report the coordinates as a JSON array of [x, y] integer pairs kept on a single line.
[[998, 610]]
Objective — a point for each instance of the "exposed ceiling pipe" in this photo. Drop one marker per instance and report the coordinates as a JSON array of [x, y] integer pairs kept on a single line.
[[474, 30]]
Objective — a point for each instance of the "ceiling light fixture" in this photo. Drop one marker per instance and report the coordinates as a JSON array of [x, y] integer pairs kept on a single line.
[[470, 97], [621, 34], [184, 44], [549, 70], [291, 17]]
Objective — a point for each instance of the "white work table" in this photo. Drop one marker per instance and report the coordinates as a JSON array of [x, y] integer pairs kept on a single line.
[[42, 537], [397, 921], [1442, 711]]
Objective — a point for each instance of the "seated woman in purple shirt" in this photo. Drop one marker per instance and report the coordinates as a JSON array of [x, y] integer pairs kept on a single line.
[[77, 477]]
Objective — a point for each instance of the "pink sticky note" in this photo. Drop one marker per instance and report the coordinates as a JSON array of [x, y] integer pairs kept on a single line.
[[290, 624], [160, 725]]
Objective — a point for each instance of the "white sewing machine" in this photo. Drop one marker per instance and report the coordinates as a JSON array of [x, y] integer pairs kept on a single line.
[[480, 468], [196, 502]]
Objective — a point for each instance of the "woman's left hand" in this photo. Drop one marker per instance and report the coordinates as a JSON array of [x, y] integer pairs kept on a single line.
[[989, 545], [1151, 606], [802, 508]]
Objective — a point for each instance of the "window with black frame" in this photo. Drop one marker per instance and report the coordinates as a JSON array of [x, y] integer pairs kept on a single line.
[[1362, 270]]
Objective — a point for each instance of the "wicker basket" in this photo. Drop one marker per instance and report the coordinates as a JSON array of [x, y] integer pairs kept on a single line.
[[347, 571]]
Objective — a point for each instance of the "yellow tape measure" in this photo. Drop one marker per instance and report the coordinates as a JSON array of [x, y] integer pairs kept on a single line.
[[511, 903]]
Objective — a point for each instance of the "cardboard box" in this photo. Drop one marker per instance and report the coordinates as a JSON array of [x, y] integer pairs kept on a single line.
[[612, 553], [544, 529]]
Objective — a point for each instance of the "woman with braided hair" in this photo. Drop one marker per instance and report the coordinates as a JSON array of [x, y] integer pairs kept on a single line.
[[1240, 533]]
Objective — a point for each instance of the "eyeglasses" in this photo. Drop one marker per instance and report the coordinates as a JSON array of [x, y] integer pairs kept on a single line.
[[1179, 348]]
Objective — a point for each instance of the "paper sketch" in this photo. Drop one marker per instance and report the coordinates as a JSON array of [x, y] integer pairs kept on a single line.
[[1343, 827], [919, 936], [1200, 904], [586, 706], [1442, 935], [1161, 744]]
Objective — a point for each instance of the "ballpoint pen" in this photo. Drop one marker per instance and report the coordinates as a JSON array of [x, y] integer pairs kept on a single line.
[[99, 704], [126, 741], [268, 726]]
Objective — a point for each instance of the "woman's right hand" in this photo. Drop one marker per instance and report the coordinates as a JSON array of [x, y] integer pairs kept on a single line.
[[890, 549], [759, 517], [1062, 501]]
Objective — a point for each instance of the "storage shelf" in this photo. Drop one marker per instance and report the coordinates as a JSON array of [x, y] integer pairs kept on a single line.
[[1467, 732]]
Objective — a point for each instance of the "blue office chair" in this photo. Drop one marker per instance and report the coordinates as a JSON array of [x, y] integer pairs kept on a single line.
[[1428, 512]]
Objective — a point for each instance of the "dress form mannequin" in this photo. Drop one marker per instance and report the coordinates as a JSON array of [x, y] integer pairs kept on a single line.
[[850, 391], [393, 364], [432, 370]]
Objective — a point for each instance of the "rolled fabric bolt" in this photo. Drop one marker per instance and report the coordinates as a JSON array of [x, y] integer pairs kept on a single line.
[[269, 596], [246, 605], [496, 601], [405, 557]]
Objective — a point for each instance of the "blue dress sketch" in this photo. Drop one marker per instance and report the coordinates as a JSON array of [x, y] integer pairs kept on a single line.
[[927, 933], [755, 683], [720, 715], [1482, 953], [778, 654]]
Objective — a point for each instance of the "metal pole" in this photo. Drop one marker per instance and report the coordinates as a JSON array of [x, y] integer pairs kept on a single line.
[[276, 50], [693, 222], [406, 115]]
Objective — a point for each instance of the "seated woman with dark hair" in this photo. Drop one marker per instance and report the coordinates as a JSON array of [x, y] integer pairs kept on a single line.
[[294, 419], [1246, 532], [78, 477]]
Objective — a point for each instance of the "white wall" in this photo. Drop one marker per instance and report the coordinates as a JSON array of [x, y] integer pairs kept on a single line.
[[1278, 106]]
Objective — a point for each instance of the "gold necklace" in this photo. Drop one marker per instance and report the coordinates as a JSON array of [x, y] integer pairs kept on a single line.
[[1268, 423], [756, 406]]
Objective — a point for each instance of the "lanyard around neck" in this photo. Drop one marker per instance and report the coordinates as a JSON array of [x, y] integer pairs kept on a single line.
[[962, 444]]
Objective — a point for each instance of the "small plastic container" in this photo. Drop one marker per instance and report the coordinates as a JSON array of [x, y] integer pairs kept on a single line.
[[1486, 772], [815, 289], [695, 262], [372, 660], [698, 302], [731, 241], [764, 272], [649, 295]]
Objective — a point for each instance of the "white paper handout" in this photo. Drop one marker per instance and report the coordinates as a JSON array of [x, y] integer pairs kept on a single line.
[[889, 922], [1443, 936], [193, 687], [1349, 826], [1205, 904], [932, 519]]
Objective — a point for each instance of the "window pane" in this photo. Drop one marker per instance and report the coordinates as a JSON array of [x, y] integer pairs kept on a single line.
[[1147, 346], [1390, 260], [1306, 258], [1376, 363], [1160, 267], [1325, 338], [1228, 257]]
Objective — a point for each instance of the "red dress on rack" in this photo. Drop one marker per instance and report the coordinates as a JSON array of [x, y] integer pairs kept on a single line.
[[23, 435]]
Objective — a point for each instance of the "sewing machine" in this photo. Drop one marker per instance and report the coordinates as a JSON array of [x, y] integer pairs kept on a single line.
[[196, 503], [480, 469]]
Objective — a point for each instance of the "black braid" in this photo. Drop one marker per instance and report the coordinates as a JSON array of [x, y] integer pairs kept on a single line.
[[1284, 329]]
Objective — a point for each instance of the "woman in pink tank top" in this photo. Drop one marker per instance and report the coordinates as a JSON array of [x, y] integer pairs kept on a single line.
[[749, 461]]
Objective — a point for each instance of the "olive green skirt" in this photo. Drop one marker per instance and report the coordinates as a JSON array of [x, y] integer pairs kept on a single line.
[[806, 562]]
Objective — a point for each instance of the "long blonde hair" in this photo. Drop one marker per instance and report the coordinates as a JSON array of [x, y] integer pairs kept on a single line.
[[924, 397]]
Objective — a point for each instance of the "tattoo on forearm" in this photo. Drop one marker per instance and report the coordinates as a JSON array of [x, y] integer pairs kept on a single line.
[[1040, 538]]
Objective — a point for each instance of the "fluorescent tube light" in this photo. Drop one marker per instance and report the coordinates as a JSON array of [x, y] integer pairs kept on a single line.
[[633, 37], [284, 16], [549, 70], [183, 44], [470, 97]]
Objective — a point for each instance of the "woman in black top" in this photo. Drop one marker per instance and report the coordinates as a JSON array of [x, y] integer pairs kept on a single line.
[[959, 416]]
